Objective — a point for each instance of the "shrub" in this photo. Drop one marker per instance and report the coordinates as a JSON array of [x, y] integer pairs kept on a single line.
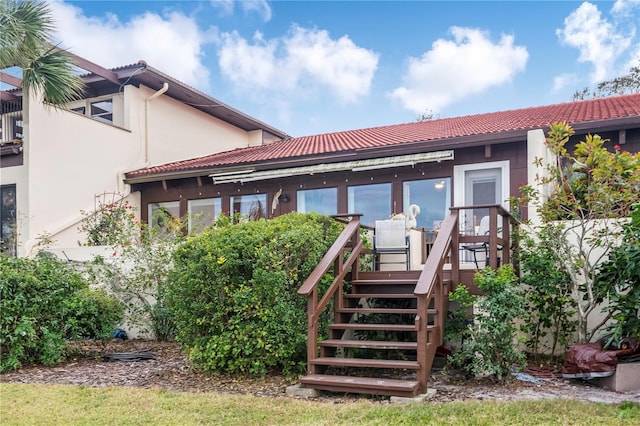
[[490, 347], [43, 301], [619, 281], [137, 272], [233, 292], [590, 183], [550, 307], [112, 222]]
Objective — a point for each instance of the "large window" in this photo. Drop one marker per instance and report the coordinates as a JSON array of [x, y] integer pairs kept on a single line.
[[8, 232], [161, 213], [202, 213], [253, 206], [432, 196], [323, 201], [374, 201]]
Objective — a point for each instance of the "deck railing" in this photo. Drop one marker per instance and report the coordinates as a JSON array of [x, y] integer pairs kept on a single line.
[[349, 240], [431, 289]]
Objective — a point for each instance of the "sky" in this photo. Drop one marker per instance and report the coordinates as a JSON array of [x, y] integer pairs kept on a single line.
[[309, 67]]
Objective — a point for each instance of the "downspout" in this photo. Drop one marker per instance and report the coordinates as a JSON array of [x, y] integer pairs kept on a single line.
[[165, 87]]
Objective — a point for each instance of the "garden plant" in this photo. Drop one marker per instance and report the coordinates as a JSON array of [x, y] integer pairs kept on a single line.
[[581, 198], [233, 292]]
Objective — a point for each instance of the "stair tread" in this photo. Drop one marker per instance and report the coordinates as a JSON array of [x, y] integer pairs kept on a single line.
[[380, 296], [378, 311], [384, 282], [361, 384], [380, 327], [364, 362], [374, 344]]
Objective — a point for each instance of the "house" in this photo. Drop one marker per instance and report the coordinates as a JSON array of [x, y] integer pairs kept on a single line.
[[458, 171], [380, 171], [56, 163]]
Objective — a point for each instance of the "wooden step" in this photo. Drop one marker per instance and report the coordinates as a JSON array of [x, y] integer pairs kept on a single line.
[[368, 344], [368, 385], [379, 296], [377, 311], [369, 363], [390, 282], [373, 327], [389, 275]]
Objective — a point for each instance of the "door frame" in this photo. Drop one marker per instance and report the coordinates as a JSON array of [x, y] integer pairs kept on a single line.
[[459, 181]]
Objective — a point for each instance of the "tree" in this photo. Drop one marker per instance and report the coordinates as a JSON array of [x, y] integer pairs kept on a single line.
[[25, 42], [589, 189], [428, 115], [625, 84]]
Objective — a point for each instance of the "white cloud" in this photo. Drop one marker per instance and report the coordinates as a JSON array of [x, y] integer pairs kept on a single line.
[[302, 62], [599, 41], [563, 80], [261, 7], [625, 7], [455, 69], [171, 42], [248, 66]]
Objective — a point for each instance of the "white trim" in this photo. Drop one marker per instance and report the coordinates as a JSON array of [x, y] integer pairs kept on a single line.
[[459, 174]]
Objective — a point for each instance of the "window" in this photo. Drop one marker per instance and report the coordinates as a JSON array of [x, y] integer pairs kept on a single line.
[[8, 232], [159, 214], [101, 110], [252, 206], [202, 213], [11, 126], [433, 196], [323, 201], [374, 201]]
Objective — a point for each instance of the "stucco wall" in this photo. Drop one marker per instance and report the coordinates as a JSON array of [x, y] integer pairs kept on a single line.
[[71, 158], [179, 132]]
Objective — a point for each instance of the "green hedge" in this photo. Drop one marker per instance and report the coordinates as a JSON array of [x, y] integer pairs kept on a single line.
[[44, 302], [233, 292]]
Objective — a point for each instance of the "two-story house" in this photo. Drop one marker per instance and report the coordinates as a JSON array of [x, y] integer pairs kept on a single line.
[[55, 162]]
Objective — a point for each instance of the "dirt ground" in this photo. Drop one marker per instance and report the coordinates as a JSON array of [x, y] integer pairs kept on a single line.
[[170, 369]]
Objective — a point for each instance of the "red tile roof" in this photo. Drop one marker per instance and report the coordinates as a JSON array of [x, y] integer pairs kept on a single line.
[[446, 129]]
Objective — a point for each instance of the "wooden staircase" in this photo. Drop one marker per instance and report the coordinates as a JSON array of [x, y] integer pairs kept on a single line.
[[386, 325], [374, 334]]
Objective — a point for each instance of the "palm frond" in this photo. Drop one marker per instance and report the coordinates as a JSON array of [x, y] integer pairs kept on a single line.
[[26, 28], [25, 42], [52, 73]]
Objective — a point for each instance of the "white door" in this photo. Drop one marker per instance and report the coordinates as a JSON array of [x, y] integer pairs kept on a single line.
[[478, 184]]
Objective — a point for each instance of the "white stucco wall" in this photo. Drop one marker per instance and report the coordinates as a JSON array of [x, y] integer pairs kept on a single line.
[[69, 158], [537, 148], [179, 132]]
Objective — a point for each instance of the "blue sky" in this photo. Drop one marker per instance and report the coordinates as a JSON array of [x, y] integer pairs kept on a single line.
[[316, 67]]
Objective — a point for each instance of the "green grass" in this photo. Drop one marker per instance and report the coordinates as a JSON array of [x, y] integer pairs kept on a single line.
[[79, 405]]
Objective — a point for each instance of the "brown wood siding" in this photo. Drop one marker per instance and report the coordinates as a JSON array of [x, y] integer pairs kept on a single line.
[[188, 188]]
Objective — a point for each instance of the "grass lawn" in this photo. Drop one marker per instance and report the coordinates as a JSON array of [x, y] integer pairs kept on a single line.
[[79, 405]]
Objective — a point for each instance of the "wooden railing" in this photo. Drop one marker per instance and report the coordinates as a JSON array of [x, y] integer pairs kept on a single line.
[[432, 286], [349, 239]]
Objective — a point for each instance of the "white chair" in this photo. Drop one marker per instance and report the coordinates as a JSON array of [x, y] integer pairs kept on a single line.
[[390, 238]]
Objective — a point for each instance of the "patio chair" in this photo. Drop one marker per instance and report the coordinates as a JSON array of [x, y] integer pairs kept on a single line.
[[483, 229], [390, 238]]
